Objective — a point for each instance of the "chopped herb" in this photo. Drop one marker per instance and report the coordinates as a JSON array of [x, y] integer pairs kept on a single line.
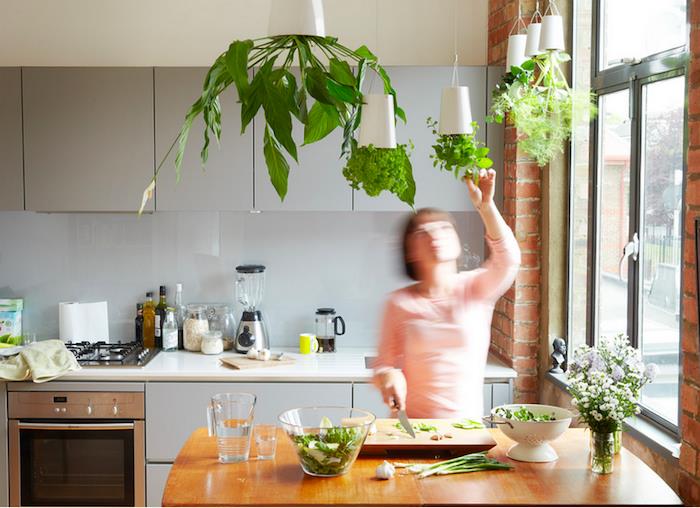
[[467, 424]]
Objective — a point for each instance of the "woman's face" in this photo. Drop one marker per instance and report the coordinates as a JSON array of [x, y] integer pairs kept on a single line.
[[433, 241]]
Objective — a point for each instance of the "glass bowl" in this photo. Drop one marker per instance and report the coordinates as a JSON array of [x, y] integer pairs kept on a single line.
[[327, 439]]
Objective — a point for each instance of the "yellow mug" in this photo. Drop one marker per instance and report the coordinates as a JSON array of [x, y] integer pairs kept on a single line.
[[307, 343]]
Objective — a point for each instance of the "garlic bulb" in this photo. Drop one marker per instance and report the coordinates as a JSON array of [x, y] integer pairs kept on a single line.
[[264, 355], [385, 470], [252, 354]]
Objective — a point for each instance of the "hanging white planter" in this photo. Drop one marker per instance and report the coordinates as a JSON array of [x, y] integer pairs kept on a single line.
[[532, 47], [377, 125], [552, 33], [297, 17], [516, 50], [455, 111]]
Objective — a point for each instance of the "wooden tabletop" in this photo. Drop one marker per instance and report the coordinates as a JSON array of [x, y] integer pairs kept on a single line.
[[198, 479]]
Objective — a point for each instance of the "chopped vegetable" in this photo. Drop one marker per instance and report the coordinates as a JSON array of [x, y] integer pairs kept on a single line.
[[468, 424], [523, 415], [418, 427], [331, 451], [470, 463]]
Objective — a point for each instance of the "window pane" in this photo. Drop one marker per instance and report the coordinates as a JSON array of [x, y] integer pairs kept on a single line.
[[639, 28], [580, 148], [613, 212], [662, 169]]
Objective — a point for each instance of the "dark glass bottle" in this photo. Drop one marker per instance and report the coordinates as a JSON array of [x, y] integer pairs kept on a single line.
[[149, 321], [139, 323], [161, 310]]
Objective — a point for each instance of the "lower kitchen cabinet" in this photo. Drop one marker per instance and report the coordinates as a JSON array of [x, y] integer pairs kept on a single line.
[[4, 490], [156, 476], [174, 410]]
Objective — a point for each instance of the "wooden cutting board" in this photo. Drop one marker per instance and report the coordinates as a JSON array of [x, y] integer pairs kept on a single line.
[[389, 440], [241, 362]]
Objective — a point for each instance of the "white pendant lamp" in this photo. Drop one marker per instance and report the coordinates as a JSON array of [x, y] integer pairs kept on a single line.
[[377, 125], [455, 111], [297, 17], [552, 33], [517, 39]]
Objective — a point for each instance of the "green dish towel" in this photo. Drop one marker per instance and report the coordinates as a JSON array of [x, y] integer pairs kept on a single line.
[[41, 362]]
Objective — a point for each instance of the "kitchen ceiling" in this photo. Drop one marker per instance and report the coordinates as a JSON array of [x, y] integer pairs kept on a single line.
[[194, 32]]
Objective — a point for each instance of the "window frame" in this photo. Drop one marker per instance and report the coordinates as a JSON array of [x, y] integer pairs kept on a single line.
[[632, 76]]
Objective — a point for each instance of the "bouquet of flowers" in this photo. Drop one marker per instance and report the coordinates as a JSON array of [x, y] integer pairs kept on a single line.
[[606, 382]]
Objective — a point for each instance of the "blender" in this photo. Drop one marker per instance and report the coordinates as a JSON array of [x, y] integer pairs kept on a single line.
[[252, 330]]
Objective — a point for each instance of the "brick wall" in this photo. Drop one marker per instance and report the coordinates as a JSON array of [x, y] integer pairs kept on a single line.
[[689, 476], [516, 322]]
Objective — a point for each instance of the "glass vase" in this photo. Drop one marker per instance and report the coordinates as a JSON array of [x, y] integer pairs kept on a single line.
[[602, 452], [618, 440]]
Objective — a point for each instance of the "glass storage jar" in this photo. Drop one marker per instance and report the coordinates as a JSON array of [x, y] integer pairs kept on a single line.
[[221, 319], [195, 325], [212, 344]]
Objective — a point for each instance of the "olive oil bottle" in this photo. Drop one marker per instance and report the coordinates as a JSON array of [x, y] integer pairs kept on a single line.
[[161, 309], [149, 322]]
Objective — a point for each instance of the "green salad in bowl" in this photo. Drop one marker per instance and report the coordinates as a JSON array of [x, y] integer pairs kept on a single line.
[[327, 439]]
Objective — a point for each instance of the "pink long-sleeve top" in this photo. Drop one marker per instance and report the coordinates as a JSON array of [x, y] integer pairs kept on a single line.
[[441, 345]]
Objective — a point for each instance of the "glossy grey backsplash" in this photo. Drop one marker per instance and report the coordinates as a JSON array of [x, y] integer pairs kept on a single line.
[[347, 260]]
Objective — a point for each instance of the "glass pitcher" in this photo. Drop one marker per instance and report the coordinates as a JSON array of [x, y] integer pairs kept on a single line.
[[327, 328], [230, 419], [250, 286]]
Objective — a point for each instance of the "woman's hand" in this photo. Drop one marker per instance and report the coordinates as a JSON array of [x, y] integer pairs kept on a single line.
[[482, 196], [392, 384]]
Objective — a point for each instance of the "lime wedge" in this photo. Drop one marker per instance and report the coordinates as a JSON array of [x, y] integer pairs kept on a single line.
[[326, 423]]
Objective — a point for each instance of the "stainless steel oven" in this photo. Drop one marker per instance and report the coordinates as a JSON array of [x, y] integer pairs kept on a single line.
[[76, 448]]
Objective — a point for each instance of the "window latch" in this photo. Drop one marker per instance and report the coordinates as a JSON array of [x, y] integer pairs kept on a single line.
[[630, 249]]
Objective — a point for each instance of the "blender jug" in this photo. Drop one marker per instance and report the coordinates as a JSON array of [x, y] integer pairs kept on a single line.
[[252, 330], [327, 328]]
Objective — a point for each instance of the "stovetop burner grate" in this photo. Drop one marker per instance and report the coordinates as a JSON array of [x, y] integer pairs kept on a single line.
[[112, 354]]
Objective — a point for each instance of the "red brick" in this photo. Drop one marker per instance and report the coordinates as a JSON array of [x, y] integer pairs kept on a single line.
[[528, 189], [526, 397], [694, 153], [690, 309], [694, 134], [526, 350], [689, 489], [527, 332], [694, 12], [529, 171], [525, 365], [527, 224], [691, 370], [527, 312], [527, 293], [532, 206], [528, 243], [530, 260], [689, 338], [526, 383], [689, 399], [688, 459], [528, 276]]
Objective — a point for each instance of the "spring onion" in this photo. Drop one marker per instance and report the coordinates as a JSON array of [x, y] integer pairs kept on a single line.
[[468, 424], [470, 463], [418, 427]]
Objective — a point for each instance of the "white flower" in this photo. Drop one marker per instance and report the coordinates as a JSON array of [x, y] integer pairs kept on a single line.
[[651, 371]]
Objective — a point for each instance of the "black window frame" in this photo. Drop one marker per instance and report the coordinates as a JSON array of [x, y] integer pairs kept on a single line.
[[632, 76]]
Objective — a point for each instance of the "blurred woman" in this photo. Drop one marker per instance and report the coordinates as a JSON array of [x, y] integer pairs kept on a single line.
[[435, 334]]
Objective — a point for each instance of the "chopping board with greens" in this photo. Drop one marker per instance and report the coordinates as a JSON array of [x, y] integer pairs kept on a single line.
[[432, 435]]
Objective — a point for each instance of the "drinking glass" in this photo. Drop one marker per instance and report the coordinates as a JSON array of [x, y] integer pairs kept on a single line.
[[265, 441], [28, 339], [230, 418]]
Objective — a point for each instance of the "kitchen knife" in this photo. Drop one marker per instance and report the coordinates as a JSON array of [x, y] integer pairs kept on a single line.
[[403, 419]]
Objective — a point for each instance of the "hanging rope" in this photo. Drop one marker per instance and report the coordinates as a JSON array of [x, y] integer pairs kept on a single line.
[[519, 23], [537, 14], [552, 9], [455, 65]]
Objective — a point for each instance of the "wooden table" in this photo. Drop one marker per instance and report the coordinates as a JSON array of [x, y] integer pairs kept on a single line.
[[198, 479]]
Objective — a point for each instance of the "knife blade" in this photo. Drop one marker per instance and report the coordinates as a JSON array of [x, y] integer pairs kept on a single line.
[[403, 418]]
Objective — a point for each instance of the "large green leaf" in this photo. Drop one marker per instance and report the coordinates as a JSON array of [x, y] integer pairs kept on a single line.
[[364, 52], [277, 166], [341, 72], [236, 59], [316, 86], [408, 196], [252, 100], [342, 93], [323, 119], [279, 117]]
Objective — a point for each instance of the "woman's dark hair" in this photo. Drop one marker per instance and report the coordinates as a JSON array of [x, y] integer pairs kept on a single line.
[[411, 225]]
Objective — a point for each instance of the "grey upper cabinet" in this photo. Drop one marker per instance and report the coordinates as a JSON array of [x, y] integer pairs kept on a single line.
[[315, 184], [88, 138], [11, 171], [419, 90], [226, 182]]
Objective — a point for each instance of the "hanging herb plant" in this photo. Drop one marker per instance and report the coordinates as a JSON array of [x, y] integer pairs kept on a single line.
[[461, 154], [541, 105], [377, 169], [326, 95]]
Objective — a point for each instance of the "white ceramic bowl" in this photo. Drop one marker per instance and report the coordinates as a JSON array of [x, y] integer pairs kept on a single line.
[[532, 438]]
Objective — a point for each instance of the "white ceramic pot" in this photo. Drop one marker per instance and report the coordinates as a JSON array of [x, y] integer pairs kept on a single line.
[[455, 111], [532, 46], [532, 438], [297, 17], [516, 50], [552, 33], [377, 125]]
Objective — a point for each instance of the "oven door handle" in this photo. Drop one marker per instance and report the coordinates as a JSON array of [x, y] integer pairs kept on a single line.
[[75, 426]]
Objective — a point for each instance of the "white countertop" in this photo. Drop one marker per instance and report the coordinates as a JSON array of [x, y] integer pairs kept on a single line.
[[344, 366]]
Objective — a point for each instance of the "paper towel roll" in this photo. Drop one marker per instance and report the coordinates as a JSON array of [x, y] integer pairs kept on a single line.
[[79, 322]]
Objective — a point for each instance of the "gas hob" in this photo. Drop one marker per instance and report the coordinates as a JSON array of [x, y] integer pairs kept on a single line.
[[112, 354]]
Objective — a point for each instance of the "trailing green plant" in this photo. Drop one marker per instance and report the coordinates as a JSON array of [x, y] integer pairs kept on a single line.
[[325, 93], [540, 103], [461, 154], [377, 169]]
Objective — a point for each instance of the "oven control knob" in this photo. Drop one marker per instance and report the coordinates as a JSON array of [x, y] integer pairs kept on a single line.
[[63, 410], [89, 409], [115, 409], [57, 410]]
